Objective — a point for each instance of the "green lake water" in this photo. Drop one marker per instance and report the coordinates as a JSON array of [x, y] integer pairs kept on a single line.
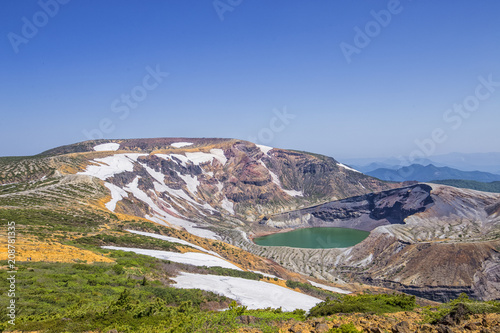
[[314, 238]]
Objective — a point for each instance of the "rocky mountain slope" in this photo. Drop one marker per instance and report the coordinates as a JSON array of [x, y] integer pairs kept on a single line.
[[430, 240], [364, 212], [214, 183]]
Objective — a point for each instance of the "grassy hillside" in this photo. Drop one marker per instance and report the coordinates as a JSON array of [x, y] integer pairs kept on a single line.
[[133, 293]]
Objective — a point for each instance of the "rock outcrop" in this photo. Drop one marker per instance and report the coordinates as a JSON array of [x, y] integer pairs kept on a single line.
[[364, 212]]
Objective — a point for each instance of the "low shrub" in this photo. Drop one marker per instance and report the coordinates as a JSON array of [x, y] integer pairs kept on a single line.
[[383, 303]]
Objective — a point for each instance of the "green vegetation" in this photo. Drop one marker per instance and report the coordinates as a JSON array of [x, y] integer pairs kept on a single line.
[[56, 220], [25, 186], [233, 272], [382, 303], [133, 295], [471, 184], [60, 297], [24, 168], [266, 319], [99, 296], [311, 290], [48, 192], [50, 288], [276, 314], [128, 240], [345, 328], [126, 314], [435, 314]]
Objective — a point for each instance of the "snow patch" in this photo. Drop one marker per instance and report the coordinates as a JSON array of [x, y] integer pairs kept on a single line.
[[264, 149], [335, 290], [250, 293], [181, 144], [197, 158], [157, 220], [183, 159], [117, 194], [133, 188], [244, 235], [293, 193], [172, 240], [219, 155], [190, 258], [208, 207], [110, 165], [160, 186], [366, 261], [158, 176], [190, 227], [191, 182], [176, 193], [227, 205], [107, 146], [268, 275], [348, 168]]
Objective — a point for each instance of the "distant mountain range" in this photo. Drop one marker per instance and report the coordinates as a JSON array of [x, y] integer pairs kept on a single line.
[[430, 172], [486, 162]]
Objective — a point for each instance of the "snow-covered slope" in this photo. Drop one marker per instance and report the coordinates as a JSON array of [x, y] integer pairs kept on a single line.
[[197, 184], [250, 293], [190, 258], [173, 240]]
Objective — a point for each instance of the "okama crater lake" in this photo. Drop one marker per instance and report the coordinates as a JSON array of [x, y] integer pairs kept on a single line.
[[314, 238]]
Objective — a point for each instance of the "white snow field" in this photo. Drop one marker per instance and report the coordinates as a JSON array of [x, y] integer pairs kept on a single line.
[[228, 205], [110, 165], [117, 194], [335, 290], [192, 182], [173, 240], [348, 168], [268, 275], [181, 144], [190, 227], [191, 258], [264, 149], [197, 158], [107, 147], [250, 293]]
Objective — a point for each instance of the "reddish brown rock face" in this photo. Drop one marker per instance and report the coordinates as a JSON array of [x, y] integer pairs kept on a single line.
[[253, 180]]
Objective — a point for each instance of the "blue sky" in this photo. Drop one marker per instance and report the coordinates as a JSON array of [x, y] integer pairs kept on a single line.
[[69, 79]]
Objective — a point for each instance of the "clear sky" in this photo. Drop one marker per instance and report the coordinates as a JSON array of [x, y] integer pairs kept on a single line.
[[342, 78]]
